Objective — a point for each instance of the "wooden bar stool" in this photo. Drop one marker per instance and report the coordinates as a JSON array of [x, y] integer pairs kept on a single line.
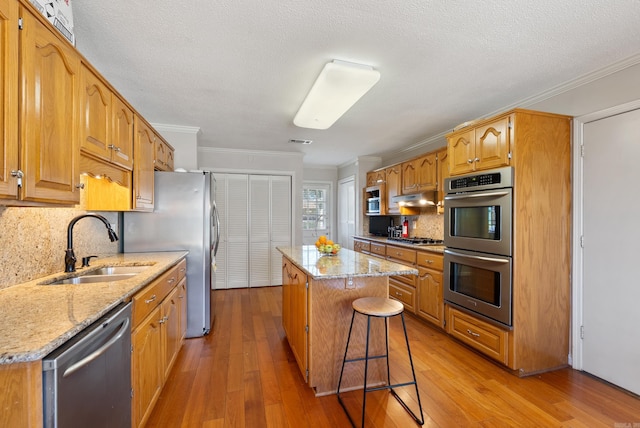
[[379, 307]]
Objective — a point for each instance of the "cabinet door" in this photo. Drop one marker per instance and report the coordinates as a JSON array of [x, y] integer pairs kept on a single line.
[[182, 299], [443, 173], [298, 320], [410, 176], [170, 310], [122, 134], [49, 73], [394, 188], [146, 367], [95, 115], [492, 144], [426, 166], [462, 152], [430, 298], [8, 98], [143, 166]]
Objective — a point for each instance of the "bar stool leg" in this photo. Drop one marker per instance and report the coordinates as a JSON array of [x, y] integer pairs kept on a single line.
[[415, 381]]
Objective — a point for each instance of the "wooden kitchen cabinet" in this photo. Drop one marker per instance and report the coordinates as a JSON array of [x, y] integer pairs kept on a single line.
[[163, 157], [485, 146], [393, 176], [430, 301], [106, 122], [361, 246], [144, 153], [487, 338], [403, 287], [420, 175], [376, 177], [8, 99], [443, 173], [404, 293], [294, 312], [156, 338], [49, 78]]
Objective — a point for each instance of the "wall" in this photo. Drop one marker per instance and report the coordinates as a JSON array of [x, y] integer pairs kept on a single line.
[[184, 139], [33, 241]]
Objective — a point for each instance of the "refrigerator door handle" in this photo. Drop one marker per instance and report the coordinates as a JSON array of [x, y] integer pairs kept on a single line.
[[217, 220]]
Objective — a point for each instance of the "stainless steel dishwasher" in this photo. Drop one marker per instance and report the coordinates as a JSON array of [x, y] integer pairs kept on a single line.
[[87, 381]]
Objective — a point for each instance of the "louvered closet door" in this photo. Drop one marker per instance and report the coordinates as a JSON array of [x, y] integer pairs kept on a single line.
[[237, 231], [280, 223], [221, 256], [259, 221]]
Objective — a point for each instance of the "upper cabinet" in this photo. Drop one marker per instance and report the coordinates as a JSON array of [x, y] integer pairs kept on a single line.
[[376, 178], [163, 160], [144, 152], [393, 176], [106, 123], [485, 146], [49, 81], [419, 175], [8, 99], [443, 173]]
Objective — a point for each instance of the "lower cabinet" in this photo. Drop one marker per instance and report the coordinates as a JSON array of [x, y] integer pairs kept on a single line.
[[158, 331], [486, 338], [294, 311], [430, 301]]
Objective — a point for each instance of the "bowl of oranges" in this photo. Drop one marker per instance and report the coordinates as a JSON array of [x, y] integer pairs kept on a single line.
[[326, 246]]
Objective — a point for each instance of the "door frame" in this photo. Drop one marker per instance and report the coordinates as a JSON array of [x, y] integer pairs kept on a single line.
[[577, 284], [341, 182]]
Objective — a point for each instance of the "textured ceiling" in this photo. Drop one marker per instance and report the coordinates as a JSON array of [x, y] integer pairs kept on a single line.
[[239, 70]]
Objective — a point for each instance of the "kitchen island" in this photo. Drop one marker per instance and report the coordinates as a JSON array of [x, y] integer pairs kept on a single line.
[[316, 311]]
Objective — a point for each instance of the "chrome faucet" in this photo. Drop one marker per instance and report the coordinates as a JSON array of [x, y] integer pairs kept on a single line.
[[69, 256]]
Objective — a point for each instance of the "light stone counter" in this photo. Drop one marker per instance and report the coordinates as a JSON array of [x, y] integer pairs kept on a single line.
[[383, 240], [345, 264], [36, 319]]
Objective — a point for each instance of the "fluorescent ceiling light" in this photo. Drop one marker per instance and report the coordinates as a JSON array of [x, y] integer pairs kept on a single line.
[[338, 87]]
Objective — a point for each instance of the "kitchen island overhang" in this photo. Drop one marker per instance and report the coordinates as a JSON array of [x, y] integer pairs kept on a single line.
[[318, 291]]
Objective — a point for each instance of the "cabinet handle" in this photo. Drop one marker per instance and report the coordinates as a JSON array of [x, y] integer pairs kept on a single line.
[[171, 280], [151, 299], [469, 161], [163, 320], [398, 294], [429, 262], [476, 160], [473, 334], [80, 186], [17, 174]]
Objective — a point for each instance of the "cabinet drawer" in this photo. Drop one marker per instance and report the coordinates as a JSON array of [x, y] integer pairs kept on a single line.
[[379, 249], [149, 297], [486, 338], [401, 254], [181, 269], [430, 260], [404, 293], [361, 246]]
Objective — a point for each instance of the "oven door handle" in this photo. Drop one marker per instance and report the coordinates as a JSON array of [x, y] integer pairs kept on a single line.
[[476, 195], [484, 259]]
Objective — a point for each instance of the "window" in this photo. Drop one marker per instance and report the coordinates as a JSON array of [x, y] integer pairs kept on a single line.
[[314, 208]]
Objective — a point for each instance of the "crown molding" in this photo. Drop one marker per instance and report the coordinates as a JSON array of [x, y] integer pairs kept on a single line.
[[177, 128]]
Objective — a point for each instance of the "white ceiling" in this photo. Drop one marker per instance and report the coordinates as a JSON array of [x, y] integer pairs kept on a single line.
[[239, 70]]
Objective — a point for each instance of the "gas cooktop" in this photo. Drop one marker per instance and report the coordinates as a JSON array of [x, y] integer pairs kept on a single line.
[[418, 241]]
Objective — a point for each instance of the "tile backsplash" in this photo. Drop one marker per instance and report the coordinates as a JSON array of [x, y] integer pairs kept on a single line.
[[33, 241], [425, 225]]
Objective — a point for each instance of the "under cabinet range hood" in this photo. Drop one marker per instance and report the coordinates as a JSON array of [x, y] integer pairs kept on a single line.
[[425, 199]]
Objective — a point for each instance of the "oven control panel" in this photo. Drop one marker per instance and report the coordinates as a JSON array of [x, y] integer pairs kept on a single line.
[[494, 179]]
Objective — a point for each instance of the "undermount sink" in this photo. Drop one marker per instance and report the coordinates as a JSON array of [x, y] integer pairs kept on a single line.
[[88, 279], [103, 274], [119, 270]]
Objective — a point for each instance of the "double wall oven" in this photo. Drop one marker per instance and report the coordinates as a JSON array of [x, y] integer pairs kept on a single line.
[[479, 245]]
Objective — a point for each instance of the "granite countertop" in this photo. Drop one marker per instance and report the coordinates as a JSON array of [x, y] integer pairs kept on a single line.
[[384, 240], [345, 264], [36, 319]]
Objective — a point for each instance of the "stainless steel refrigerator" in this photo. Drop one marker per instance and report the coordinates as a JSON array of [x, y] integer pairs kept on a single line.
[[184, 218]]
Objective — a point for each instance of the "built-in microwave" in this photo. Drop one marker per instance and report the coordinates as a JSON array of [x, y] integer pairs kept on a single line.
[[373, 205]]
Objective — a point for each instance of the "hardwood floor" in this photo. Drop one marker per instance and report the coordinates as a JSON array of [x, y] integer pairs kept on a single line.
[[244, 375]]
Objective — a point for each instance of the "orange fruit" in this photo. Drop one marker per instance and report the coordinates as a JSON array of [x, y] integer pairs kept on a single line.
[[322, 239], [329, 242]]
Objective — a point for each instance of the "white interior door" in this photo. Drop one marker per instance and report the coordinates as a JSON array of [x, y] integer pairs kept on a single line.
[[346, 212], [610, 345]]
